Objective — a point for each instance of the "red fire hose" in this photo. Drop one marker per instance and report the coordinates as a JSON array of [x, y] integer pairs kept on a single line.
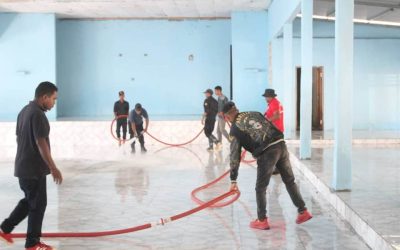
[[162, 221], [112, 126], [160, 141], [176, 145], [217, 204]]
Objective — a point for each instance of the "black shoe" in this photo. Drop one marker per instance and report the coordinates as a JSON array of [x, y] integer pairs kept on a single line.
[[144, 150], [133, 148], [210, 149]]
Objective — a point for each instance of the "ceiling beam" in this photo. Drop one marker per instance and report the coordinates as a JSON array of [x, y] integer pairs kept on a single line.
[[372, 4], [331, 12], [380, 14]]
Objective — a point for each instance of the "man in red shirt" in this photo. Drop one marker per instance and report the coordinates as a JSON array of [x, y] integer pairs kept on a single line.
[[274, 112]]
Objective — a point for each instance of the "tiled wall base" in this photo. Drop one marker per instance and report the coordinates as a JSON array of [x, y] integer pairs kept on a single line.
[[69, 138], [366, 232], [355, 142]]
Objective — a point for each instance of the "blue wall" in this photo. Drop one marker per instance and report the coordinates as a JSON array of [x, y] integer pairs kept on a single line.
[[250, 59], [147, 59], [376, 72], [27, 57]]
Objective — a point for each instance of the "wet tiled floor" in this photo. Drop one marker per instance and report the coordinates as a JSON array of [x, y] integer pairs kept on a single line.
[[375, 195], [115, 189]]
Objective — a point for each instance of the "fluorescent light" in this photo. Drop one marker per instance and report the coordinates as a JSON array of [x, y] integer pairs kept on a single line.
[[356, 20]]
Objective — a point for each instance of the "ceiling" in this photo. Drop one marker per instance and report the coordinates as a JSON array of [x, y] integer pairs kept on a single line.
[[374, 10], [141, 9], [379, 10]]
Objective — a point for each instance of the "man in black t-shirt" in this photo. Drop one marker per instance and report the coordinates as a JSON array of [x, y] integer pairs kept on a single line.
[[32, 163], [209, 117], [121, 107]]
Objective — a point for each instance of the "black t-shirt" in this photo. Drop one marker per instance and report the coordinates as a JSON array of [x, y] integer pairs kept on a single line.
[[121, 108], [32, 124], [211, 107]]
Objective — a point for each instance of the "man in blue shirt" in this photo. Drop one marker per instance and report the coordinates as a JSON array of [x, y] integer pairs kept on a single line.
[[136, 118]]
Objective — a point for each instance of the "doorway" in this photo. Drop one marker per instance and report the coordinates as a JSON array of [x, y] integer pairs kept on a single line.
[[317, 98]]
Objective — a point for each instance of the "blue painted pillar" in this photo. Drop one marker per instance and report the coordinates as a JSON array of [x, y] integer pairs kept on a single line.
[[343, 100], [288, 79], [306, 78]]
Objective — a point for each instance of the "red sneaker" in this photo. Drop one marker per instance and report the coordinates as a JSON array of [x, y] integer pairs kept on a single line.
[[260, 224], [6, 237], [303, 217], [41, 246]]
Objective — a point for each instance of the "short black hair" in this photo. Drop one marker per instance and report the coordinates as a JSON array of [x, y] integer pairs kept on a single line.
[[228, 106], [138, 106], [218, 88], [45, 88]]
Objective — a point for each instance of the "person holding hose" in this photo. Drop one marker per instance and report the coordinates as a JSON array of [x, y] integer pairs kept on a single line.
[[265, 141]]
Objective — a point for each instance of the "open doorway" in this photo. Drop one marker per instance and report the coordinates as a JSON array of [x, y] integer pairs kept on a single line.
[[317, 98]]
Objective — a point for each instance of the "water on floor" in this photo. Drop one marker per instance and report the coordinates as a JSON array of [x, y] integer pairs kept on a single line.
[[115, 189]]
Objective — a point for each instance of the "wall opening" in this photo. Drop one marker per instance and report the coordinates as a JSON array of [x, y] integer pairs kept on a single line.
[[317, 98]]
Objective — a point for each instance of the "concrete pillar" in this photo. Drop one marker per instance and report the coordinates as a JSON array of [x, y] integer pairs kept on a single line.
[[306, 78], [289, 103], [343, 100]]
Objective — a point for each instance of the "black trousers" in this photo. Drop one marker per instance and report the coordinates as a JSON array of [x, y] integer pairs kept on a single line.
[[139, 130], [130, 129], [32, 206], [209, 125], [122, 123], [277, 155]]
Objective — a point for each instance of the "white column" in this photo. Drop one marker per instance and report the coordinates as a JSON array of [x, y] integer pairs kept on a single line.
[[288, 76], [343, 100], [306, 78]]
